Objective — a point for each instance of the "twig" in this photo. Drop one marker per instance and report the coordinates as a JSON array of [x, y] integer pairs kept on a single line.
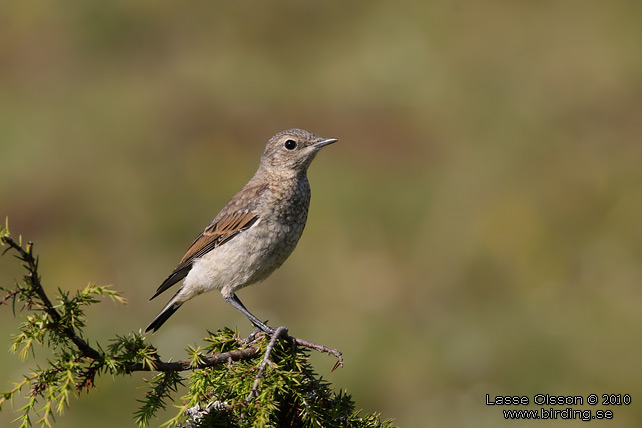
[[321, 348], [281, 331], [236, 355], [211, 361], [9, 296], [307, 344]]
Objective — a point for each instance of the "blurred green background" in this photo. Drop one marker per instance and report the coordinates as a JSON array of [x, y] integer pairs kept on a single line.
[[476, 230]]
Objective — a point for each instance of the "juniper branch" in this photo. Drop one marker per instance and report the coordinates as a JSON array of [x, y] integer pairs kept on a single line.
[[33, 278], [210, 361], [248, 353]]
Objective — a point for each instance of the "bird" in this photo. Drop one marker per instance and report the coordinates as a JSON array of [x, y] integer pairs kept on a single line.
[[254, 233]]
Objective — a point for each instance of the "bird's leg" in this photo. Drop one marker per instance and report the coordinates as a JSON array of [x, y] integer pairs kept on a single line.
[[234, 301]]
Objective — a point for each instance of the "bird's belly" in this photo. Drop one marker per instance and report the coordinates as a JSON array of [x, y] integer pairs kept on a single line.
[[248, 258]]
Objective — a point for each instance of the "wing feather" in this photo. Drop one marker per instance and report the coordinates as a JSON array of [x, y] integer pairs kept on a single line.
[[220, 231]]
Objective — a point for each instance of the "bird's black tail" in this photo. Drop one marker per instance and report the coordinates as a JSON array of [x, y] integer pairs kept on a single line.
[[160, 319]]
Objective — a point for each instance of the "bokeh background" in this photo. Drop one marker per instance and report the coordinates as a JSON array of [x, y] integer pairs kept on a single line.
[[476, 231]]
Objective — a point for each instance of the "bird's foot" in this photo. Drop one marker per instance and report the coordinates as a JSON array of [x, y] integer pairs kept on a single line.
[[258, 329]]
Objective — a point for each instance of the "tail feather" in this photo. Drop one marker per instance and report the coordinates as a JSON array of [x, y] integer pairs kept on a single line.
[[172, 279], [160, 319]]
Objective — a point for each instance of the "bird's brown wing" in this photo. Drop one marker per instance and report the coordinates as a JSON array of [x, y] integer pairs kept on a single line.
[[221, 230]]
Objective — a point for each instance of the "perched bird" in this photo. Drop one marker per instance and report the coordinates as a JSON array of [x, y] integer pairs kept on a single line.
[[254, 233]]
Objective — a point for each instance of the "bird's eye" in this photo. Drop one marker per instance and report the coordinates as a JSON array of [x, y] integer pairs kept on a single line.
[[290, 144]]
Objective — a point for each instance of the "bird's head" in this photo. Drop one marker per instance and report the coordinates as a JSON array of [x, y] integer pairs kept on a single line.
[[292, 151]]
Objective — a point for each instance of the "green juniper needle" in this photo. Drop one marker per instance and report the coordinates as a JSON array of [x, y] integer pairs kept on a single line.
[[254, 233]]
